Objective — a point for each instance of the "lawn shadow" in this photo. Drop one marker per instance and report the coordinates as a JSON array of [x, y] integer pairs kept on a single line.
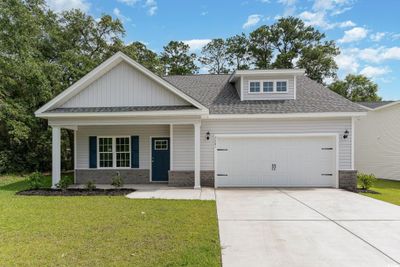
[[15, 186]]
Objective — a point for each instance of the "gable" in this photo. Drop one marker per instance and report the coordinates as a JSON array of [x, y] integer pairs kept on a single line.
[[124, 86]]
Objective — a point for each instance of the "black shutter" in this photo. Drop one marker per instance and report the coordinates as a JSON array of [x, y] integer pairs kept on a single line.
[[92, 151], [135, 151]]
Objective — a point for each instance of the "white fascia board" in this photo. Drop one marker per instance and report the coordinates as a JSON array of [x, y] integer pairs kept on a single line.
[[122, 114], [386, 106], [273, 135], [101, 70], [239, 73], [286, 115]]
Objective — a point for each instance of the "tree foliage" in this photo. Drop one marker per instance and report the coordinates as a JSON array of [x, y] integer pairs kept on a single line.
[[357, 88], [177, 60], [214, 56], [238, 52]]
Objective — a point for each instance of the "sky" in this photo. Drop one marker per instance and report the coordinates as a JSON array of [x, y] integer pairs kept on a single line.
[[366, 31]]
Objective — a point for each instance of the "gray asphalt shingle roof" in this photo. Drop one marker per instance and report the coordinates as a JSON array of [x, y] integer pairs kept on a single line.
[[221, 97], [374, 105]]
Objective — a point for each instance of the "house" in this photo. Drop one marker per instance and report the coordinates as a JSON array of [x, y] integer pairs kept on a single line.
[[250, 128], [377, 143]]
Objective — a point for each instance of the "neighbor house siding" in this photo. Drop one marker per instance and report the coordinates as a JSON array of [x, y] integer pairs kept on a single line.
[[143, 131], [275, 126], [124, 86], [266, 96], [183, 147], [377, 143]]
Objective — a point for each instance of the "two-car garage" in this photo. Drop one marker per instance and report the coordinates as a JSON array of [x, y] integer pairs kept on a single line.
[[303, 160]]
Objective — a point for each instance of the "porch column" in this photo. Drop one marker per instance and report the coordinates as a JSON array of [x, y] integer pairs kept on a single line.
[[197, 155], [56, 157]]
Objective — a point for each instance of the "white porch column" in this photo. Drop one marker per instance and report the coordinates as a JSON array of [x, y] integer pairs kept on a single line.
[[197, 155], [56, 157]]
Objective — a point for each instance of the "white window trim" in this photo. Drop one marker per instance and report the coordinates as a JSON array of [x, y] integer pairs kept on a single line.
[[114, 152], [274, 86]]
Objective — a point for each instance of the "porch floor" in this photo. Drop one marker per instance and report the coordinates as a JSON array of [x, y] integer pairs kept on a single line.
[[162, 191]]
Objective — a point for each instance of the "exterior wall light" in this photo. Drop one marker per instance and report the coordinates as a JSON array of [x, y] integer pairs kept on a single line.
[[346, 134], [208, 135]]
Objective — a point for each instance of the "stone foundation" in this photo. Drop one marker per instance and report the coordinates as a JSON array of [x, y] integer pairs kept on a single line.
[[348, 180], [186, 178], [99, 176]]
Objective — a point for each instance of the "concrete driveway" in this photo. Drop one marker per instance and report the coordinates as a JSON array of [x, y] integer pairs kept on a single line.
[[306, 227]]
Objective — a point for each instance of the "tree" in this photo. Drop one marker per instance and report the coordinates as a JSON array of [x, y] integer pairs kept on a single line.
[[260, 47], [177, 60], [357, 88], [214, 55], [238, 52], [140, 53]]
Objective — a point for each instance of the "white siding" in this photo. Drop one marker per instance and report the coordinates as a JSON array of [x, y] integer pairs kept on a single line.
[[183, 147], [377, 146], [143, 131], [275, 126], [266, 96], [124, 86]]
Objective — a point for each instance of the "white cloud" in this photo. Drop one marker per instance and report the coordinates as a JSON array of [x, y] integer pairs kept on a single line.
[[251, 21], [392, 53], [290, 7], [128, 2], [347, 63], [204, 13], [375, 55], [353, 35], [152, 7], [374, 72], [376, 37], [196, 44], [62, 5], [119, 15], [347, 23], [265, 1], [315, 19]]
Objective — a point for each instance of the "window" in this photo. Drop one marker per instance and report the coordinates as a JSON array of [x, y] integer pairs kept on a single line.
[[268, 86], [114, 152], [254, 87], [160, 144], [105, 152], [281, 86], [123, 151]]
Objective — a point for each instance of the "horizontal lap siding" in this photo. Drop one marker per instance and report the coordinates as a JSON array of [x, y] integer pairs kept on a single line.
[[183, 150], [143, 131], [275, 126], [264, 96], [124, 86]]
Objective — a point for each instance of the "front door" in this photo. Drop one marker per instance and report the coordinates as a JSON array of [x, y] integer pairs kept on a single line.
[[160, 160]]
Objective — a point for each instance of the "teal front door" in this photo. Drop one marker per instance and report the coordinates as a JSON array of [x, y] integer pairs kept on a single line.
[[160, 160]]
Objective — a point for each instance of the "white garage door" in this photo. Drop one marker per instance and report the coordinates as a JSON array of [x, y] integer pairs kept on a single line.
[[276, 161]]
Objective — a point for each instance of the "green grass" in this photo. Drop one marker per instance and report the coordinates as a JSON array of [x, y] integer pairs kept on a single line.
[[389, 191], [104, 231]]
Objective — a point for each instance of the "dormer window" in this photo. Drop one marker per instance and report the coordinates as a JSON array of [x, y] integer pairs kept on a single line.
[[254, 87], [281, 86]]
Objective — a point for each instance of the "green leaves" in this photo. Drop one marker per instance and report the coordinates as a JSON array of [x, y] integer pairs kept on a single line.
[[177, 60]]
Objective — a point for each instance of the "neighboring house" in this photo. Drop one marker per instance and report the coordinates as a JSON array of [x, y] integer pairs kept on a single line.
[[377, 143], [250, 128]]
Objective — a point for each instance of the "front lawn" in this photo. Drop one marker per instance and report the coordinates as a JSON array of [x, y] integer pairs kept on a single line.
[[104, 231], [388, 190]]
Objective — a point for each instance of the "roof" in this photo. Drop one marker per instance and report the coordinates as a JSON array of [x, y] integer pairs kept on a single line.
[[119, 109], [376, 104], [220, 97]]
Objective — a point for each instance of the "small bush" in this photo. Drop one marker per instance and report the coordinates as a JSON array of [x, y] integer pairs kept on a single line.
[[36, 180], [64, 182], [117, 180], [366, 181], [90, 185]]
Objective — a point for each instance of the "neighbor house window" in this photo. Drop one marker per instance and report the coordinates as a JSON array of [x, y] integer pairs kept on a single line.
[[106, 152], [254, 87], [281, 86], [114, 152], [268, 86]]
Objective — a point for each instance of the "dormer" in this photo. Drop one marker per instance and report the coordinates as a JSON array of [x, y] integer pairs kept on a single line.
[[274, 84]]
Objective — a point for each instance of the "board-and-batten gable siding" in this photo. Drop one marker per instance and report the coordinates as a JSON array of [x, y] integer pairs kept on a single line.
[[124, 86], [143, 131], [183, 147], [377, 143], [266, 96], [275, 126]]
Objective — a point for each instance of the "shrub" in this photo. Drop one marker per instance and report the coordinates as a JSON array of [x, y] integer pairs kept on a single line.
[[90, 185], [366, 181], [64, 182], [117, 180], [36, 180]]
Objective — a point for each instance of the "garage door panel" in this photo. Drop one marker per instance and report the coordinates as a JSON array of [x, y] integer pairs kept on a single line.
[[266, 161]]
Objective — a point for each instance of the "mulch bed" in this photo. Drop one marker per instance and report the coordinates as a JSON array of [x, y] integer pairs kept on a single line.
[[75, 192], [359, 190]]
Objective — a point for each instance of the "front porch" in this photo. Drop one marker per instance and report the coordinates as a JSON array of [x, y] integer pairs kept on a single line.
[[141, 152]]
